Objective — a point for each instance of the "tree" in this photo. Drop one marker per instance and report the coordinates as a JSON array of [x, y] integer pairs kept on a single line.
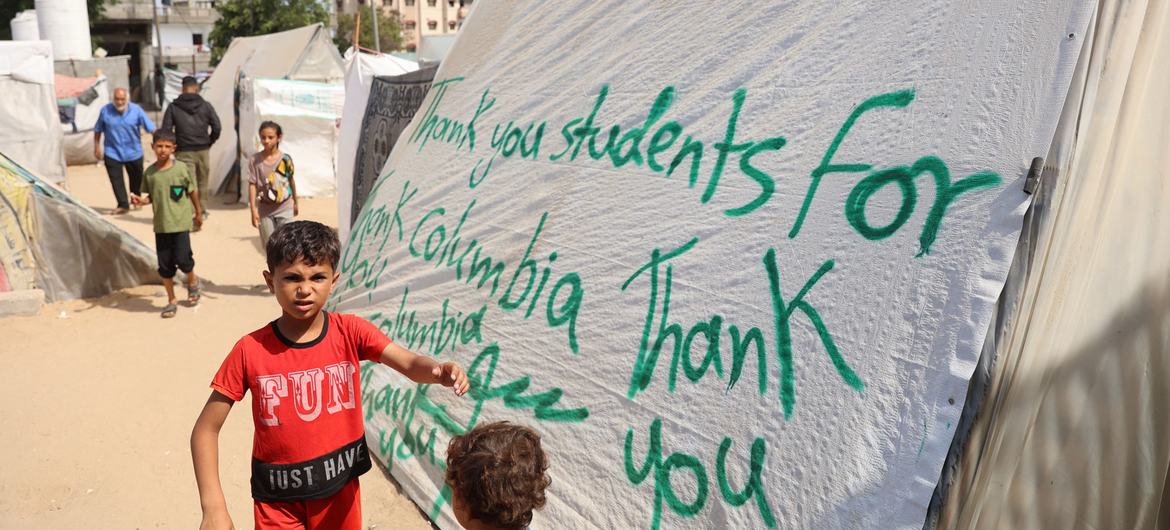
[[9, 9], [245, 18], [389, 31]]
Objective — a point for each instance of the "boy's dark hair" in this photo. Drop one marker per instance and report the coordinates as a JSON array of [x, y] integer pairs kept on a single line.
[[161, 135], [498, 471], [269, 124], [312, 242], [190, 81]]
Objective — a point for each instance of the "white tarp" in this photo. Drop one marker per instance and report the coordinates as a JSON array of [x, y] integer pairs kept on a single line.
[[1073, 433], [360, 69], [305, 54], [732, 290], [30, 128], [308, 114]]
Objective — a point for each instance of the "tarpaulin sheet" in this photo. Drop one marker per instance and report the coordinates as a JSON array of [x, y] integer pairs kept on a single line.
[[308, 113], [30, 128], [1073, 431], [731, 290], [70, 250]]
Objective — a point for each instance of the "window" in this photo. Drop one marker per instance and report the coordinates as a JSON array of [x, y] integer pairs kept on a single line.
[[409, 3], [431, 24], [409, 24], [431, 3], [451, 24], [197, 39]]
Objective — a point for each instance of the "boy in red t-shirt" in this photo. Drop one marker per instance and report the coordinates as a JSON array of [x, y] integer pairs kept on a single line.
[[302, 369]]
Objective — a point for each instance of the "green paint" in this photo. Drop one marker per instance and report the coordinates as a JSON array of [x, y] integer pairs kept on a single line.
[[893, 99], [904, 177], [437, 337], [727, 146], [855, 204], [755, 483], [661, 469], [681, 345], [783, 313], [432, 241], [648, 357]]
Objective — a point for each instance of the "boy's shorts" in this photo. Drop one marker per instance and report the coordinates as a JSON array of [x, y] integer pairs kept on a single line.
[[174, 252], [341, 511]]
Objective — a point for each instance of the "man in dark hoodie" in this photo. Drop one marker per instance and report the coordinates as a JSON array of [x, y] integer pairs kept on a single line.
[[195, 124]]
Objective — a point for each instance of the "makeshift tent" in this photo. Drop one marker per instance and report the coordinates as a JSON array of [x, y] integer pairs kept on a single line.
[[308, 113], [30, 130], [729, 294], [174, 83], [79, 102], [1072, 431], [54, 243], [305, 54], [360, 70]]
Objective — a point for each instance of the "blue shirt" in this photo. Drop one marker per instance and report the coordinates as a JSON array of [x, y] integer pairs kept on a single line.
[[123, 143]]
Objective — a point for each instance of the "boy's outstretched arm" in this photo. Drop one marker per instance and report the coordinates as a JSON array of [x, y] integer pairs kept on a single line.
[[423, 369], [205, 455]]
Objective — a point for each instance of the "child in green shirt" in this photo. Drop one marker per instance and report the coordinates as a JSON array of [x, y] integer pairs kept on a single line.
[[169, 188]]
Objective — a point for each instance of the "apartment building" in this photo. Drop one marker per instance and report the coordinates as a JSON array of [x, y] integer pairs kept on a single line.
[[420, 18]]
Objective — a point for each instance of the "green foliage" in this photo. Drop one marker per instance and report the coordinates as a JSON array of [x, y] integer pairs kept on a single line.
[[246, 18], [389, 31], [9, 9]]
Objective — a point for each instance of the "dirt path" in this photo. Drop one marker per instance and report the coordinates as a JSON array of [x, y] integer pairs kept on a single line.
[[100, 395]]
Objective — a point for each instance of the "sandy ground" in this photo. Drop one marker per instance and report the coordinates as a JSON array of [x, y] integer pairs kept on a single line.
[[100, 395]]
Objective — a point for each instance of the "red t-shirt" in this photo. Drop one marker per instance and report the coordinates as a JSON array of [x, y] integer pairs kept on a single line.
[[306, 404]]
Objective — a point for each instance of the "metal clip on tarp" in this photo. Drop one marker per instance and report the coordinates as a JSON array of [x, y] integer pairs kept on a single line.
[[1034, 172]]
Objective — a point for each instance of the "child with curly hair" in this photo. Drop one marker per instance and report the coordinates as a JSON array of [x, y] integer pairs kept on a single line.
[[497, 474]]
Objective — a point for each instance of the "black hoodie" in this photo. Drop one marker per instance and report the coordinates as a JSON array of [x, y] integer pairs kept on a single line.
[[189, 116]]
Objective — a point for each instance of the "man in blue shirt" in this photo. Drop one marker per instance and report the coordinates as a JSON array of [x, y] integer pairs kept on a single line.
[[120, 121]]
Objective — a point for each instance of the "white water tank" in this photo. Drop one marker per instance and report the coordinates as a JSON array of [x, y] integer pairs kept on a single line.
[[24, 26], [66, 24]]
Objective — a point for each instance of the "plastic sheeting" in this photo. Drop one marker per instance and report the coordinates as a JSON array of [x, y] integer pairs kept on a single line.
[[308, 113], [722, 288], [30, 127], [78, 140], [60, 246], [360, 69], [1073, 433], [305, 54]]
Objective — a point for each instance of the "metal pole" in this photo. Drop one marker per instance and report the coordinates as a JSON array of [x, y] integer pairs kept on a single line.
[[158, 85], [357, 30], [374, 15]]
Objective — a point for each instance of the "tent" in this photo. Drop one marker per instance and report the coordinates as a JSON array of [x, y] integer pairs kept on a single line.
[[80, 101], [360, 70], [308, 112], [718, 290], [53, 243], [1065, 426], [305, 54], [31, 130], [174, 82]]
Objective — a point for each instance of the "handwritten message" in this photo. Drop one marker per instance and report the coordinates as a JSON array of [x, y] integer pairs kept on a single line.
[[728, 301]]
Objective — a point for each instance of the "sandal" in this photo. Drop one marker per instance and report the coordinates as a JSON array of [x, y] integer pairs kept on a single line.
[[170, 310], [193, 295]]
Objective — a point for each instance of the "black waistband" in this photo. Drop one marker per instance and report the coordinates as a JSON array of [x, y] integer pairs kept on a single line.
[[318, 478]]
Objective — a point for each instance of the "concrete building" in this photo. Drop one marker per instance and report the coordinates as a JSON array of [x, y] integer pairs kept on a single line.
[[419, 17], [183, 31]]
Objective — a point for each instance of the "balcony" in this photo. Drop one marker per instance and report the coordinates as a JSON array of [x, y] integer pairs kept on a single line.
[[181, 12]]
